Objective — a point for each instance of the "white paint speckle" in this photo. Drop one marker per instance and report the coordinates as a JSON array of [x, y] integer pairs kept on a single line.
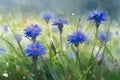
[[23, 77], [5, 74], [73, 14]]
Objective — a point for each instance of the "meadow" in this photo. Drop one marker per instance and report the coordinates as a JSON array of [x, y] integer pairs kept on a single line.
[[48, 48]]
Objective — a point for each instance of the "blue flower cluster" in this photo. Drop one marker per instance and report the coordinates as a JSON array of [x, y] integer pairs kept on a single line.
[[34, 49], [58, 21]]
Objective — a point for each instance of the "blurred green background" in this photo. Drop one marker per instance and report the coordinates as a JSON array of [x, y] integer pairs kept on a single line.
[[61, 7]]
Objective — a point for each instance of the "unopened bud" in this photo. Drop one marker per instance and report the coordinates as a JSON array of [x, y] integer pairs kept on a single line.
[[52, 45]]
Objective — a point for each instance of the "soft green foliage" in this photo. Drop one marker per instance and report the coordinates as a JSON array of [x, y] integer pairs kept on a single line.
[[58, 66]]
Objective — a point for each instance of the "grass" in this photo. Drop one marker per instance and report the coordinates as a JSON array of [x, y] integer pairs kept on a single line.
[[19, 66]]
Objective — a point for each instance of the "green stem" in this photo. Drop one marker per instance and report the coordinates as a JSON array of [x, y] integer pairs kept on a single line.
[[61, 42], [78, 59], [109, 52], [35, 72], [22, 51], [48, 30], [94, 61], [89, 25], [78, 23], [95, 40]]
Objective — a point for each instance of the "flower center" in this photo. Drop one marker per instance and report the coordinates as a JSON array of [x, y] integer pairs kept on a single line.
[[33, 29], [34, 49]]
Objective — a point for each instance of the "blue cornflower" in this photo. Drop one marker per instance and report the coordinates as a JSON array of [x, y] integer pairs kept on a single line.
[[35, 49], [102, 36], [60, 23], [100, 58], [100, 55], [76, 38], [98, 17], [5, 28], [47, 16], [32, 31], [117, 33], [2, 50], [71, 54], [18, 37]]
